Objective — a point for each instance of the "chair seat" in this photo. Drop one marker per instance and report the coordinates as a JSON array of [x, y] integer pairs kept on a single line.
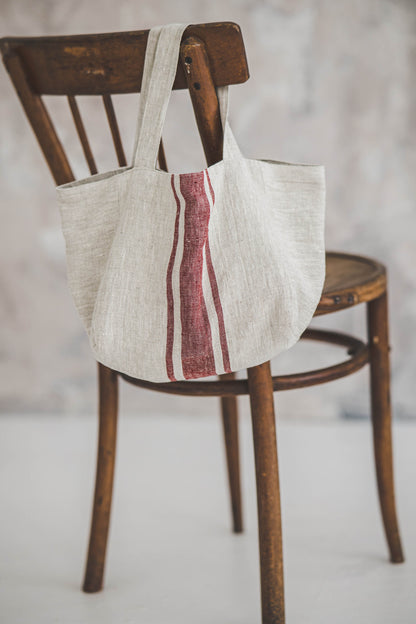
[[350, 280]]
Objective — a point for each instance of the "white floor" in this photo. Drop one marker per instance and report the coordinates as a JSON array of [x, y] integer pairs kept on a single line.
[[172, 558]]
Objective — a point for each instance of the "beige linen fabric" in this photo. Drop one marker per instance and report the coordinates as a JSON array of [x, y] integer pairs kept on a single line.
[[181, 276]]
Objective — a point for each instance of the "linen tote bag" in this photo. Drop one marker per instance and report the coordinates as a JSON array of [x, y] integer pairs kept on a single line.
[[182, 276]]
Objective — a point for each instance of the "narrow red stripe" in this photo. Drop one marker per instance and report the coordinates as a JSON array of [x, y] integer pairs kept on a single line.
[[197, 352], [216, 296], [169, 291]]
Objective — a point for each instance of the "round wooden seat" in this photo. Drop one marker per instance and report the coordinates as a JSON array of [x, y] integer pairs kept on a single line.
[[350, 280]]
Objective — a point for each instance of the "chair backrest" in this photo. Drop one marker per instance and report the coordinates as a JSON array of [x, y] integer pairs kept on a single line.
[[211, 55]]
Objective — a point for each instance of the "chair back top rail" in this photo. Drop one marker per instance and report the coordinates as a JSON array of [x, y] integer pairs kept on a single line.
[[113, 62]]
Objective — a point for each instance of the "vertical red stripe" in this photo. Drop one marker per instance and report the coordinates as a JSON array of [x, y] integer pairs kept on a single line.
[[216, 296], [197, 352], [169, 291]]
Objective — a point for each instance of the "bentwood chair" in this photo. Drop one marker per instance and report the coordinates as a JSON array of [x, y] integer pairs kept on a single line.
[[211, 55]]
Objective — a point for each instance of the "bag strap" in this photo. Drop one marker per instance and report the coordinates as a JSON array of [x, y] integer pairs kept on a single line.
[[230, 147], [158, 73], [161, 60], [149, 59]]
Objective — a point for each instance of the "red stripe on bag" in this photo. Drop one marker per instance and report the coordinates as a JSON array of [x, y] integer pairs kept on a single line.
[[197, 352], [216, 296], [169, 291]]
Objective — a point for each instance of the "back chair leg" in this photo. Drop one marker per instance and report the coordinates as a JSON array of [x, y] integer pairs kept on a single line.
[[108, 406], [268, 494], [381, 420], [229, 414]]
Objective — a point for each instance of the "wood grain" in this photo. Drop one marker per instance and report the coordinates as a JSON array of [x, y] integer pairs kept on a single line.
[[377, 317], [113, 62], [107, 436], [229, 413], [268, 494]]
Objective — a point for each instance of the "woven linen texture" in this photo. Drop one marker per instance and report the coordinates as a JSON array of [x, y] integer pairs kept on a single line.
[[183, 276]]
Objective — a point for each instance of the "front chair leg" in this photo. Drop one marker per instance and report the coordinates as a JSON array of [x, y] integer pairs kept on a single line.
[[268, 494], [108, 405], [229, 414], [381, 420]]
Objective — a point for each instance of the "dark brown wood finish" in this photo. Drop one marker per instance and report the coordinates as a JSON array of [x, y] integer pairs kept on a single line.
[[268, 494], [229, 412], [107, 435], [378, 341], [79, 125], [357, 350], [113, 62], [115, 132], [38, 117], [211, 55], [161, 157], [201, 87], [350, 280]]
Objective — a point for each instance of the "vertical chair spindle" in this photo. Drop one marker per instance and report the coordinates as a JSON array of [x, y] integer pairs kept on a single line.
[[82, 134]]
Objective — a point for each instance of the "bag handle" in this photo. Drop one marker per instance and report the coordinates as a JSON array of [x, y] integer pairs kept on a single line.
[[161, 60], [152, 39]]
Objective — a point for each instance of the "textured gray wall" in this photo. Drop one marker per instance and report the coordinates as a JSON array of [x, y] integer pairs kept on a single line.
[[331, 82]]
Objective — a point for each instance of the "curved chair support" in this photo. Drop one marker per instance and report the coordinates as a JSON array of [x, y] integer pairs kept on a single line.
[[381, 419], [357, 350]]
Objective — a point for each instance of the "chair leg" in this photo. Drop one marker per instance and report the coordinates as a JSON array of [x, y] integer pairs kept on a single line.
[[268, 494], [229, 414], [108, 405], [381, 420]]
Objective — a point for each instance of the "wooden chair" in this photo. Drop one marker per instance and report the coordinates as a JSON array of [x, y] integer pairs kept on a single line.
[[211, 55]]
